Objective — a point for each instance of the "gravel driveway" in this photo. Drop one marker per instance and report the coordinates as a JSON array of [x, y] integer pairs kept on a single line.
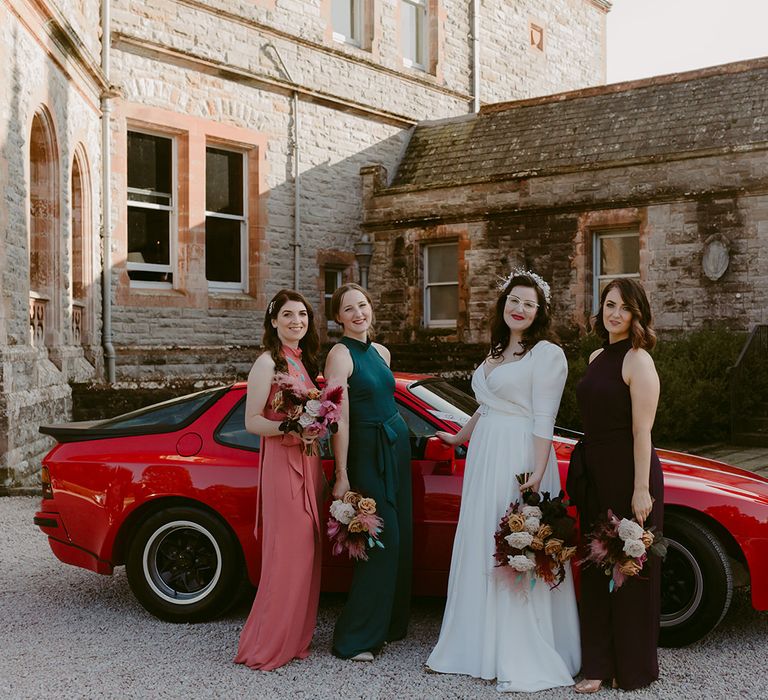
[[70, 633]]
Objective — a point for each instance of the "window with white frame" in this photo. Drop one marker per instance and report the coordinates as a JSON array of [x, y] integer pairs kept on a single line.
[[616, 254], [413, 29], [347, 21], [151, 209], [441, 284], [332, 281], [226, 222]]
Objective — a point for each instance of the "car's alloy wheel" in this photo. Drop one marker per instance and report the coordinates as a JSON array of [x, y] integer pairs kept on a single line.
[[696, 581], [184, 564]]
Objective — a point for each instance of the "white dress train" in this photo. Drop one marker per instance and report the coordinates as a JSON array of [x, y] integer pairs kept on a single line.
[[527, 640]]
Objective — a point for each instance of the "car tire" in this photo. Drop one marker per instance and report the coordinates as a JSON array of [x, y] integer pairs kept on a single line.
[[696, 581], [185, 565]]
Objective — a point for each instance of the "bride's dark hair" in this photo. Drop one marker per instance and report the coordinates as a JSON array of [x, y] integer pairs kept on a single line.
[[538, 330], [309, 344]]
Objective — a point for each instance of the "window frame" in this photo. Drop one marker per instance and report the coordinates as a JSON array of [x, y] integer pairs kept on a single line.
[[597, 277], [422, 64], [172, 208], [357, 9], [428, 321], [242, 286]]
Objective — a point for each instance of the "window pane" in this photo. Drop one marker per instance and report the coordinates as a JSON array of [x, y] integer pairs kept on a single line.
[[223, 181], [408, 30], [619, 255], [341, 17], [222, 250], [149, 162], [149, 236], [443, 302], [332, 281], [168, 414], [442, 263], [232, 431]]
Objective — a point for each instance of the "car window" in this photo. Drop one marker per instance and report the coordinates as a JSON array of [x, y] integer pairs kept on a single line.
[[168, 415], [419, 430], [231, 430], [445, 400]]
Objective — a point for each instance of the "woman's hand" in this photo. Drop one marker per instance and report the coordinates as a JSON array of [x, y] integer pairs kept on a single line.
[[642, 503], [340, 486], [531, 484], [448, 438]]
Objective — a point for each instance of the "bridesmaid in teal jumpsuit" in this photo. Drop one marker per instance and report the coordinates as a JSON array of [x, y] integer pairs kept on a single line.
[[373, 457]]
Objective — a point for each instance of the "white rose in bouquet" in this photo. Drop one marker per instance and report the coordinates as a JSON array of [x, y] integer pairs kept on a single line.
[[343, 512], [634, 548], [521, 563], [532, 525], [519, 540], [305, 420], [531, 511], [630, 530], [313, 407]]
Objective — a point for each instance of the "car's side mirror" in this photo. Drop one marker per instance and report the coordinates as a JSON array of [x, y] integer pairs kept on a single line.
[[442, 454]]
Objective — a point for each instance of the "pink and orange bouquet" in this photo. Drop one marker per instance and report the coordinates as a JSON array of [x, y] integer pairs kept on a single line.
[[536, 538], [354, 526], [310, 413], [621, 548]]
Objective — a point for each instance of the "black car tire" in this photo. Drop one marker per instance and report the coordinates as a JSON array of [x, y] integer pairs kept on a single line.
[[185, 565], [696, 581]]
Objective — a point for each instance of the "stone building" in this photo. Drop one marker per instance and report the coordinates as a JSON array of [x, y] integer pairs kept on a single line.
[[664, 179], [51, 84], [235, 132]]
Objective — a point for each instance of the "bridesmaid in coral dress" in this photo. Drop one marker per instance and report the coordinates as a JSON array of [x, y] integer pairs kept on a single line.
[[282, 620]]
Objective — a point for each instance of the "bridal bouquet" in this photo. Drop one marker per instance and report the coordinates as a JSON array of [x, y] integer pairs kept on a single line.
[[311, 413], [621, 548], [353, 525], [536, 538]]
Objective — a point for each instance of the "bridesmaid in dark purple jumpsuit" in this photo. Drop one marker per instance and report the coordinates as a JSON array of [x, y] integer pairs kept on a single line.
[[617, 399]]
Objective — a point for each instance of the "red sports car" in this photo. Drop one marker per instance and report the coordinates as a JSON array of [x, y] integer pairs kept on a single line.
[[170, 491]]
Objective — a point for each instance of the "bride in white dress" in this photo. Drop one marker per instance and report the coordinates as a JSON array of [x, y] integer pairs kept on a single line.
[[527, 640]]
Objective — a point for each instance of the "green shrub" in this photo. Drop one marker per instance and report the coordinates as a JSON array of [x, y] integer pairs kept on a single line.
[[694, 406]]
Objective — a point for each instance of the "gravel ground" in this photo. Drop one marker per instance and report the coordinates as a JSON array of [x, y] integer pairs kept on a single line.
[[70, 633]]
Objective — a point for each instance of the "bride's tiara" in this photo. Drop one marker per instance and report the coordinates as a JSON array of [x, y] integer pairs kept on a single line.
[[528, 273]]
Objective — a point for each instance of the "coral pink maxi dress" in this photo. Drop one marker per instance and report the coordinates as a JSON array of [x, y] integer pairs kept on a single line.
[[282, 619]]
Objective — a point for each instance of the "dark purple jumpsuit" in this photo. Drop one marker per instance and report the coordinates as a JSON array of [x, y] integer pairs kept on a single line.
[[619, 630]]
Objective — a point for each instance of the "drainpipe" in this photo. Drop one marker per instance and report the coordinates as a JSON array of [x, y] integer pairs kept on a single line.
[[296, 192], [106, 200], [475, 56], [294, 145]]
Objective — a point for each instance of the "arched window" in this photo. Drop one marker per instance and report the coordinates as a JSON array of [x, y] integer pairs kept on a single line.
[[43, 231], [82, 250]]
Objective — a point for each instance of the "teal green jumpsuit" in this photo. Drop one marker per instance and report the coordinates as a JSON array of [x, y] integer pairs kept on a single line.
[[379, 466]]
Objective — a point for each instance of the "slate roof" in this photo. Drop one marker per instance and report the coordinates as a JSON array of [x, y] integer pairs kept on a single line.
[[711, 110]]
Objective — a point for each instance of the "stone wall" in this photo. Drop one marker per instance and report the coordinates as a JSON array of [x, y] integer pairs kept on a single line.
[[547, 224], [49, 91]]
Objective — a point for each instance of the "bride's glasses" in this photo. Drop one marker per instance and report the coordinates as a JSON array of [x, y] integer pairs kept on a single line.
[[526, 304]]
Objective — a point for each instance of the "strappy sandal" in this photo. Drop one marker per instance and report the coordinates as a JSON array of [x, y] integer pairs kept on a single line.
[[588, 686]]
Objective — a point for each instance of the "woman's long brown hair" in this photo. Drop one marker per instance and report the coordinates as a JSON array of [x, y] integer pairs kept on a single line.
[[309, 344], [538, 330]]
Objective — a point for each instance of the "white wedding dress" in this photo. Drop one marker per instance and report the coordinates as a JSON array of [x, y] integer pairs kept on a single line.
[[527, 640]]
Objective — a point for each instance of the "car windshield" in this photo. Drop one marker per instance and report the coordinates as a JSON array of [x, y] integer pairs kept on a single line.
[[169, 414], [446, 402]]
